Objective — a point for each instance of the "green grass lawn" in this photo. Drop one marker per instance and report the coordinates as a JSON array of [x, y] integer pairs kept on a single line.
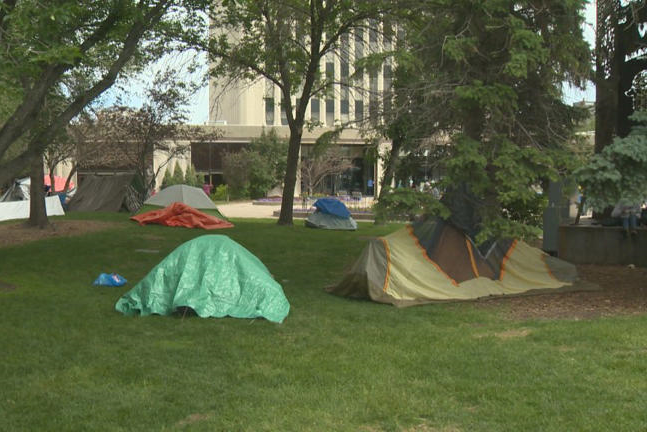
[[69, 361]]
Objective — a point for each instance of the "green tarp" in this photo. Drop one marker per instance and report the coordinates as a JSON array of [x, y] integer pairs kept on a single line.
[[214, 276]]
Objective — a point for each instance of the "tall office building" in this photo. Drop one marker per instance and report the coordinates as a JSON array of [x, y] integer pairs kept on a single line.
[[241, 110]]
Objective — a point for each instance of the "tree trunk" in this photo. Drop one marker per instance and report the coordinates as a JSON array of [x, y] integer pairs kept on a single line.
[[389, 170], [69, 178], [287, 200], [51, 181], [37, 211]]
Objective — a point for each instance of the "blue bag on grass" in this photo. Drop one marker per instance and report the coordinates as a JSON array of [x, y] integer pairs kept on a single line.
[[110, 279]]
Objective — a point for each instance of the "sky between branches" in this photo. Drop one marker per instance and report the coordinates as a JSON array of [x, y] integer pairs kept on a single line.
[[132, 91]]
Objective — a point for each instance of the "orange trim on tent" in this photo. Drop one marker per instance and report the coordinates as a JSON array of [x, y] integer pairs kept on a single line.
[[469, 248], [506, 258], [543, 259], [424, 253], [388, 264]]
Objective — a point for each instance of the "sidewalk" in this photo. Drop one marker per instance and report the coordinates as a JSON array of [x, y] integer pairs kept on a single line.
[[246, 209]]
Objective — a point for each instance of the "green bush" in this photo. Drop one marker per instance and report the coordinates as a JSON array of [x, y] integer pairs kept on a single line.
[[619, 172], [221, 193], [253, 171]]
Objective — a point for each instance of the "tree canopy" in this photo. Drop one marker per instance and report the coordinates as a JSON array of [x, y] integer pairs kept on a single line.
[[284, 41], [59, 56], [486, 77], [619, 172]]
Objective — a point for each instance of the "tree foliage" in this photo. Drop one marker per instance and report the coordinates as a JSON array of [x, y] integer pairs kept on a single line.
[[405, 204], [178, 174], [324, 159], [284, 41], [619, 172], [59, 56], [255, 170], [130, 138], [487, 77]]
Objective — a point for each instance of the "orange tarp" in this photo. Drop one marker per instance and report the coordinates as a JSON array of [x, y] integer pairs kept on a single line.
[[182, 215]]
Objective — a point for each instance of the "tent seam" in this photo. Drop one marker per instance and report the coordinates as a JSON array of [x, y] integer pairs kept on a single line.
[[388, 265], [550, 273], [506, 258], [424, 253], [469, 249]]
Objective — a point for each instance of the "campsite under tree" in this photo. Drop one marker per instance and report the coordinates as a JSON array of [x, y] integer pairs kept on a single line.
[[131, 137], [489, 76], [71, 52]]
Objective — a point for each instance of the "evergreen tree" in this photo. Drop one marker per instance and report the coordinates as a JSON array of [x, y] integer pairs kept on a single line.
[[619, 172], [178, 175], [168, 178], [487, 77], [191, 178]]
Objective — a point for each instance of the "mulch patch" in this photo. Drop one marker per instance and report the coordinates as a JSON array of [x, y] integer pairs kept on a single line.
[[623, 292]]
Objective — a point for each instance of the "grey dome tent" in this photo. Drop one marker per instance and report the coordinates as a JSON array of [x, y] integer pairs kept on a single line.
[[214, 276], [331, 214], [189, 195]]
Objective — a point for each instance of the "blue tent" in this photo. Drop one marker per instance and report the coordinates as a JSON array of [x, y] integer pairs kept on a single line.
[[333, 207], [331, 214]]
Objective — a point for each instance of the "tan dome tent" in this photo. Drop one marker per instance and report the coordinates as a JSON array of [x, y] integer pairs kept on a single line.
[[433, 261]]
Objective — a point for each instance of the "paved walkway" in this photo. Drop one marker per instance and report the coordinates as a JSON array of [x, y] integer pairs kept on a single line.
[[246, 209]]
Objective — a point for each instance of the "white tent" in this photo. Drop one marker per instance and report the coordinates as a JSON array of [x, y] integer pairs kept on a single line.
[[20, 209], [19, 190], [189, 195]]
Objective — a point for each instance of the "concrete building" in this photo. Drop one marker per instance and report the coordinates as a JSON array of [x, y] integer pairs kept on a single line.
[[240, 111]]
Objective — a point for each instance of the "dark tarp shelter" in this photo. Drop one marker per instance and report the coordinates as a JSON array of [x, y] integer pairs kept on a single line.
[[103, 193]]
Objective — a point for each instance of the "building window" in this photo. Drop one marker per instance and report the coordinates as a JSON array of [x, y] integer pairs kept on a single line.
[[373, 35], [387, 90], [359, 110], [344, 108], [284, 116], [330, 112], [269, 111], [373, 101], [330, 70], [359, 43], [315, 114]]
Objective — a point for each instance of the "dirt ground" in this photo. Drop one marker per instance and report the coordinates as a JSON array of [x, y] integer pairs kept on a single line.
[[623, 292], [17, 233], [623, 289]]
